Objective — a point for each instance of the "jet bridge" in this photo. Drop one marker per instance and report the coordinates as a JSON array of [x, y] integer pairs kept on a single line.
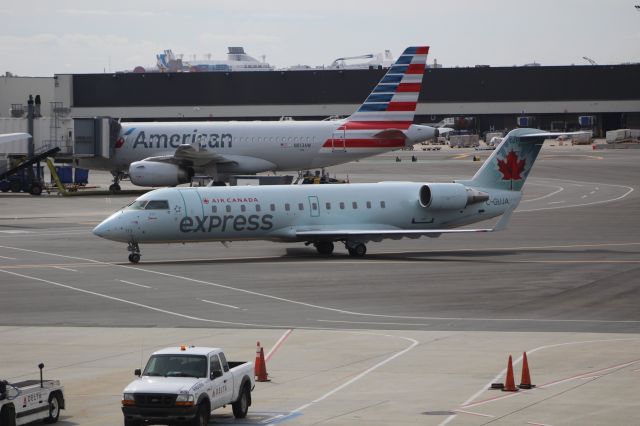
[[95, 137]]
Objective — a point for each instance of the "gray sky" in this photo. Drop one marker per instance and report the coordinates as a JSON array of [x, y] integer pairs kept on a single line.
[[43, 37]]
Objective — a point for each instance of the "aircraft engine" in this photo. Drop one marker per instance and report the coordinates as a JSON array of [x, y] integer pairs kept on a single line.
[[449, 196], [153, 173]]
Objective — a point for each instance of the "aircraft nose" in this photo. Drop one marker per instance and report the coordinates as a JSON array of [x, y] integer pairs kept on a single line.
[[102, 230]]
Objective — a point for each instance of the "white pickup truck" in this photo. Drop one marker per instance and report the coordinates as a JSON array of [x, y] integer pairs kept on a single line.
[[30, 400], [184, 384]]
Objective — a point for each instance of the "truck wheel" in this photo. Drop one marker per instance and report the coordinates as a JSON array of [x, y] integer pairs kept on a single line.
[[8, 415], [241, 406], [54, 408], [15, 185], [36, 189], [202, 416]]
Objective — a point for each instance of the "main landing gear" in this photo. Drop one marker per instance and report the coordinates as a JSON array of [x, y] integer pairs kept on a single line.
[[355, 248], [134, 256], [324, 248]]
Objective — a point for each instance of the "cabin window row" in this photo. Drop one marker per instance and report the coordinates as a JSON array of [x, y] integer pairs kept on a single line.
[[281, 139], [314, 206]]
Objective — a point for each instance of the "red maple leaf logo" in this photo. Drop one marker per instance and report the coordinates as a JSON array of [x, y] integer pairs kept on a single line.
[[512, 167]]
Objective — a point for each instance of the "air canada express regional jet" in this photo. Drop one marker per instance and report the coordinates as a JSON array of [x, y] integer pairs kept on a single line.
[[169, 154], [353, 214]]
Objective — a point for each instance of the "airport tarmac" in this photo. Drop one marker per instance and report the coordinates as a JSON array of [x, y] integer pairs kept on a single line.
[[412, 333]]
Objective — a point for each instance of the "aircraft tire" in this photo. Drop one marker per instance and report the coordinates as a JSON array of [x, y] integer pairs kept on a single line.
[[359, 250], [134, 257], [114, 187], [324, 247]]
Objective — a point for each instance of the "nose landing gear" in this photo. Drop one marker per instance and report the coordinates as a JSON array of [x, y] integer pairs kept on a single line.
[[134, 256]]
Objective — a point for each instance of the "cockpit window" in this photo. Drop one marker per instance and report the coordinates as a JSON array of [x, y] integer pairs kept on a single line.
[[157, 205], [137, 205]]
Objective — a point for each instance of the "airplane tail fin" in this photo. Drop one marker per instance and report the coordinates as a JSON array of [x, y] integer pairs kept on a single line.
[[392, 103], [509, 165]]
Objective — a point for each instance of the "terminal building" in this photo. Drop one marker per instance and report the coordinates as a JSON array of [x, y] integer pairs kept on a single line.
[[597, 97]]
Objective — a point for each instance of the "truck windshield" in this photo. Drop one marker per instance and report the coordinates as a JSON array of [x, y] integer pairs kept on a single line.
[[176, 366]]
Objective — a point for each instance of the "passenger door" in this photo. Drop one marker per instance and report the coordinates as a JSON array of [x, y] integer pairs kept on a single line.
[[221, 383], [314, 206], [337, 141]]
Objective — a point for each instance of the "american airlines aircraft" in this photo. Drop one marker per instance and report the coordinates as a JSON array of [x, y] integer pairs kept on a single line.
[[168, 154], [321, 215]]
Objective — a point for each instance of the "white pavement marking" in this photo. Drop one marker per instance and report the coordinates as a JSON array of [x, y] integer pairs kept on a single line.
[[342, 311], [140, 305], [8, 258], [538, 424], [66, 269], [374, 323], [628, 188], [473, 414], [468, 403], [556, 202], [220, 304], [560, 189], [130, 283], [278, 344], [44, 234], [414, 343]]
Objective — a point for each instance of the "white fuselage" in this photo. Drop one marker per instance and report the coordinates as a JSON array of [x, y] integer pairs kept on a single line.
[[277, 213], [255, 146]]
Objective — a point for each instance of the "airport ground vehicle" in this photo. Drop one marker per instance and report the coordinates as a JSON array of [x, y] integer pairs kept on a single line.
[[30, 400], [184, 384]]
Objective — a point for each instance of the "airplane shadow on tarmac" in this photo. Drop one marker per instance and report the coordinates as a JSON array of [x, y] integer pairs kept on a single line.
[[310, 255]]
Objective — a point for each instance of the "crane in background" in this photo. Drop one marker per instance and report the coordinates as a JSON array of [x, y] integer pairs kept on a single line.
[[591, 61]]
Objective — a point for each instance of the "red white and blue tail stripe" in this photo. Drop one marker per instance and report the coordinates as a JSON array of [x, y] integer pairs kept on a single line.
[[392, 104]]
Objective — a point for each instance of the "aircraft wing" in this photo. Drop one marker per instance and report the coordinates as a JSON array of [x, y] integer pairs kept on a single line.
[[11, 137], [188, 155], [378, 234]]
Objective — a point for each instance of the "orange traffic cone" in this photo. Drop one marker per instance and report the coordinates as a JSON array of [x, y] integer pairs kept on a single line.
[[260, 367], [510, 384], [525, 383]]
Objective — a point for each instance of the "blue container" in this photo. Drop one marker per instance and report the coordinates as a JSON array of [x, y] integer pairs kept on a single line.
[[81, 176], [65, 173]]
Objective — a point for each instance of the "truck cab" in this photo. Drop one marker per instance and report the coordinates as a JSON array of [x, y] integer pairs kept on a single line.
[[185, 384]]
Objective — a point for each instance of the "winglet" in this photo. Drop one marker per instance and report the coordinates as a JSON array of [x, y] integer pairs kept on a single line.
[[504, 219]]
